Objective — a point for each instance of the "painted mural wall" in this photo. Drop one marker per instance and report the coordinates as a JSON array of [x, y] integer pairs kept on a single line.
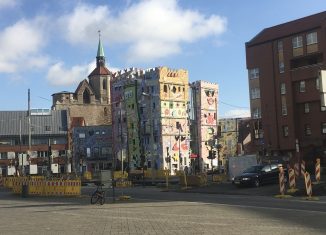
[[175, 127], [131, 105]]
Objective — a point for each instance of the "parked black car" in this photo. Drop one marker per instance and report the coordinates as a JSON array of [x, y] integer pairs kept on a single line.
[[259, 175]]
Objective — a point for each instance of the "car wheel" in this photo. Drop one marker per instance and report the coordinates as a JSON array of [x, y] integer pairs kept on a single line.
[[256, 183]]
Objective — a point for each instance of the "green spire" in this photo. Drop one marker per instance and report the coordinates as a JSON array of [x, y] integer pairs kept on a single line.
[[100, 50]]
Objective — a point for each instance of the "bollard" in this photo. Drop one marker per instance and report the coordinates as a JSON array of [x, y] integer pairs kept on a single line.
[[167, 178], [317, 171], [303, 168], [308, 184], [291, 178], [281, 181], [297, 170]]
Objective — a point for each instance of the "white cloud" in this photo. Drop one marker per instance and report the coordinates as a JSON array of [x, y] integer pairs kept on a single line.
[[7, 3], [151, 29], [20, 46], [60, 76], [237, 113]]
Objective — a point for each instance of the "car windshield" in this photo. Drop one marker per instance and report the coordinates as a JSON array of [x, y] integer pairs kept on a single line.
[[253, 169]]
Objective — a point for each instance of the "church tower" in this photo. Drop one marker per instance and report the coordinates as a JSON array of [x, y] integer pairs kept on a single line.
[[99, 78]]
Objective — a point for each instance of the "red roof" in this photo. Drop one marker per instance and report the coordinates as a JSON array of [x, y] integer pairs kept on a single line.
[[101, 70]]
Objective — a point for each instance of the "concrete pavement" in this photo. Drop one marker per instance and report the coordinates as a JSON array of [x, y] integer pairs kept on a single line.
[[177, 213]]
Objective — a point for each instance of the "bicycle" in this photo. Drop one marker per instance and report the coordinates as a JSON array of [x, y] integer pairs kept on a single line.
[[98, 195]]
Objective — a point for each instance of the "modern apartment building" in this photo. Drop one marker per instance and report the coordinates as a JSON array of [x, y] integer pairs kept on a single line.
[[37, 139], [284, 63]]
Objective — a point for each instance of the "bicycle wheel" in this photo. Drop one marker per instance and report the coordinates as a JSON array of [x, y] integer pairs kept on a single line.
[[95, 197], [102, 198]]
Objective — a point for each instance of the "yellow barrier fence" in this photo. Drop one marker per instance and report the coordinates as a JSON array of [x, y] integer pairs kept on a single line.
[[120, 175], [37, 185], [123, 184]]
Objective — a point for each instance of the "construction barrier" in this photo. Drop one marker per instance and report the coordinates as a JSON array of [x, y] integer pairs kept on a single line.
[[308, 184], [8, 182], [297, 170], [317, 171], [37, 185], [282, 181], [1, 181], [87, 175], [120, 175], [72, 187], [123, 184], [194, 180], [292, 184], [303, 168], [219, 178]]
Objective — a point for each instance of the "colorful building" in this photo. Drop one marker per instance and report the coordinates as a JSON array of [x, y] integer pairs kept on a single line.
[[203, 107]]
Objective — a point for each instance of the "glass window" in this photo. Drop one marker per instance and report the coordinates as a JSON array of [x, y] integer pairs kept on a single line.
[[317, 84], [297, 42], [256, 113], [285, 131], [266, 168], [284, 106], [312, 38], [306, 108], [307, 129], [302, 87], [323, 108], [283, 89], [280, 46], [254, 73], [255, 93], [323, 128], [281, 67]]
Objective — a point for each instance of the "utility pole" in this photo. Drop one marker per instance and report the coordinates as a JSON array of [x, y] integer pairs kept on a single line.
[[29, 121]]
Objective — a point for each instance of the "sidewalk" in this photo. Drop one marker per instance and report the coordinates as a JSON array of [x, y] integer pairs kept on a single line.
[[228, 188]]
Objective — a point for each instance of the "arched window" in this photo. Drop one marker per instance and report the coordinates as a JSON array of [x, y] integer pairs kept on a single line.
[[86, 97], [104, 84], [165, 88]]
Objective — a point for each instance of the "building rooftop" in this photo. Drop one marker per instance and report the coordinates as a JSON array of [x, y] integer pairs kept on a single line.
[[289, 28]]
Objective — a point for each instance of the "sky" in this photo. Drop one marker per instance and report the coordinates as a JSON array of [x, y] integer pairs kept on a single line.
[[50, 46]]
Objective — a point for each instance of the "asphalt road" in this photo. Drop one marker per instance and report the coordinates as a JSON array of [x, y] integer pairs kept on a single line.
[[151, 211]]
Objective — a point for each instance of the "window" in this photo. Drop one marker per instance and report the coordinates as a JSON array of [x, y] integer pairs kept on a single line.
[[302, 86], [283, 89], [254, 73], [255, 93], [307, 129], [47, 128], [323, 128], [104, 84], [256, 113], [311, 38], [281, 67], [297, 42], [317, 84], [322, 108], [306, 108], [285, 131], [280, 46], [284, 106], [165, 88], [86, 97]]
